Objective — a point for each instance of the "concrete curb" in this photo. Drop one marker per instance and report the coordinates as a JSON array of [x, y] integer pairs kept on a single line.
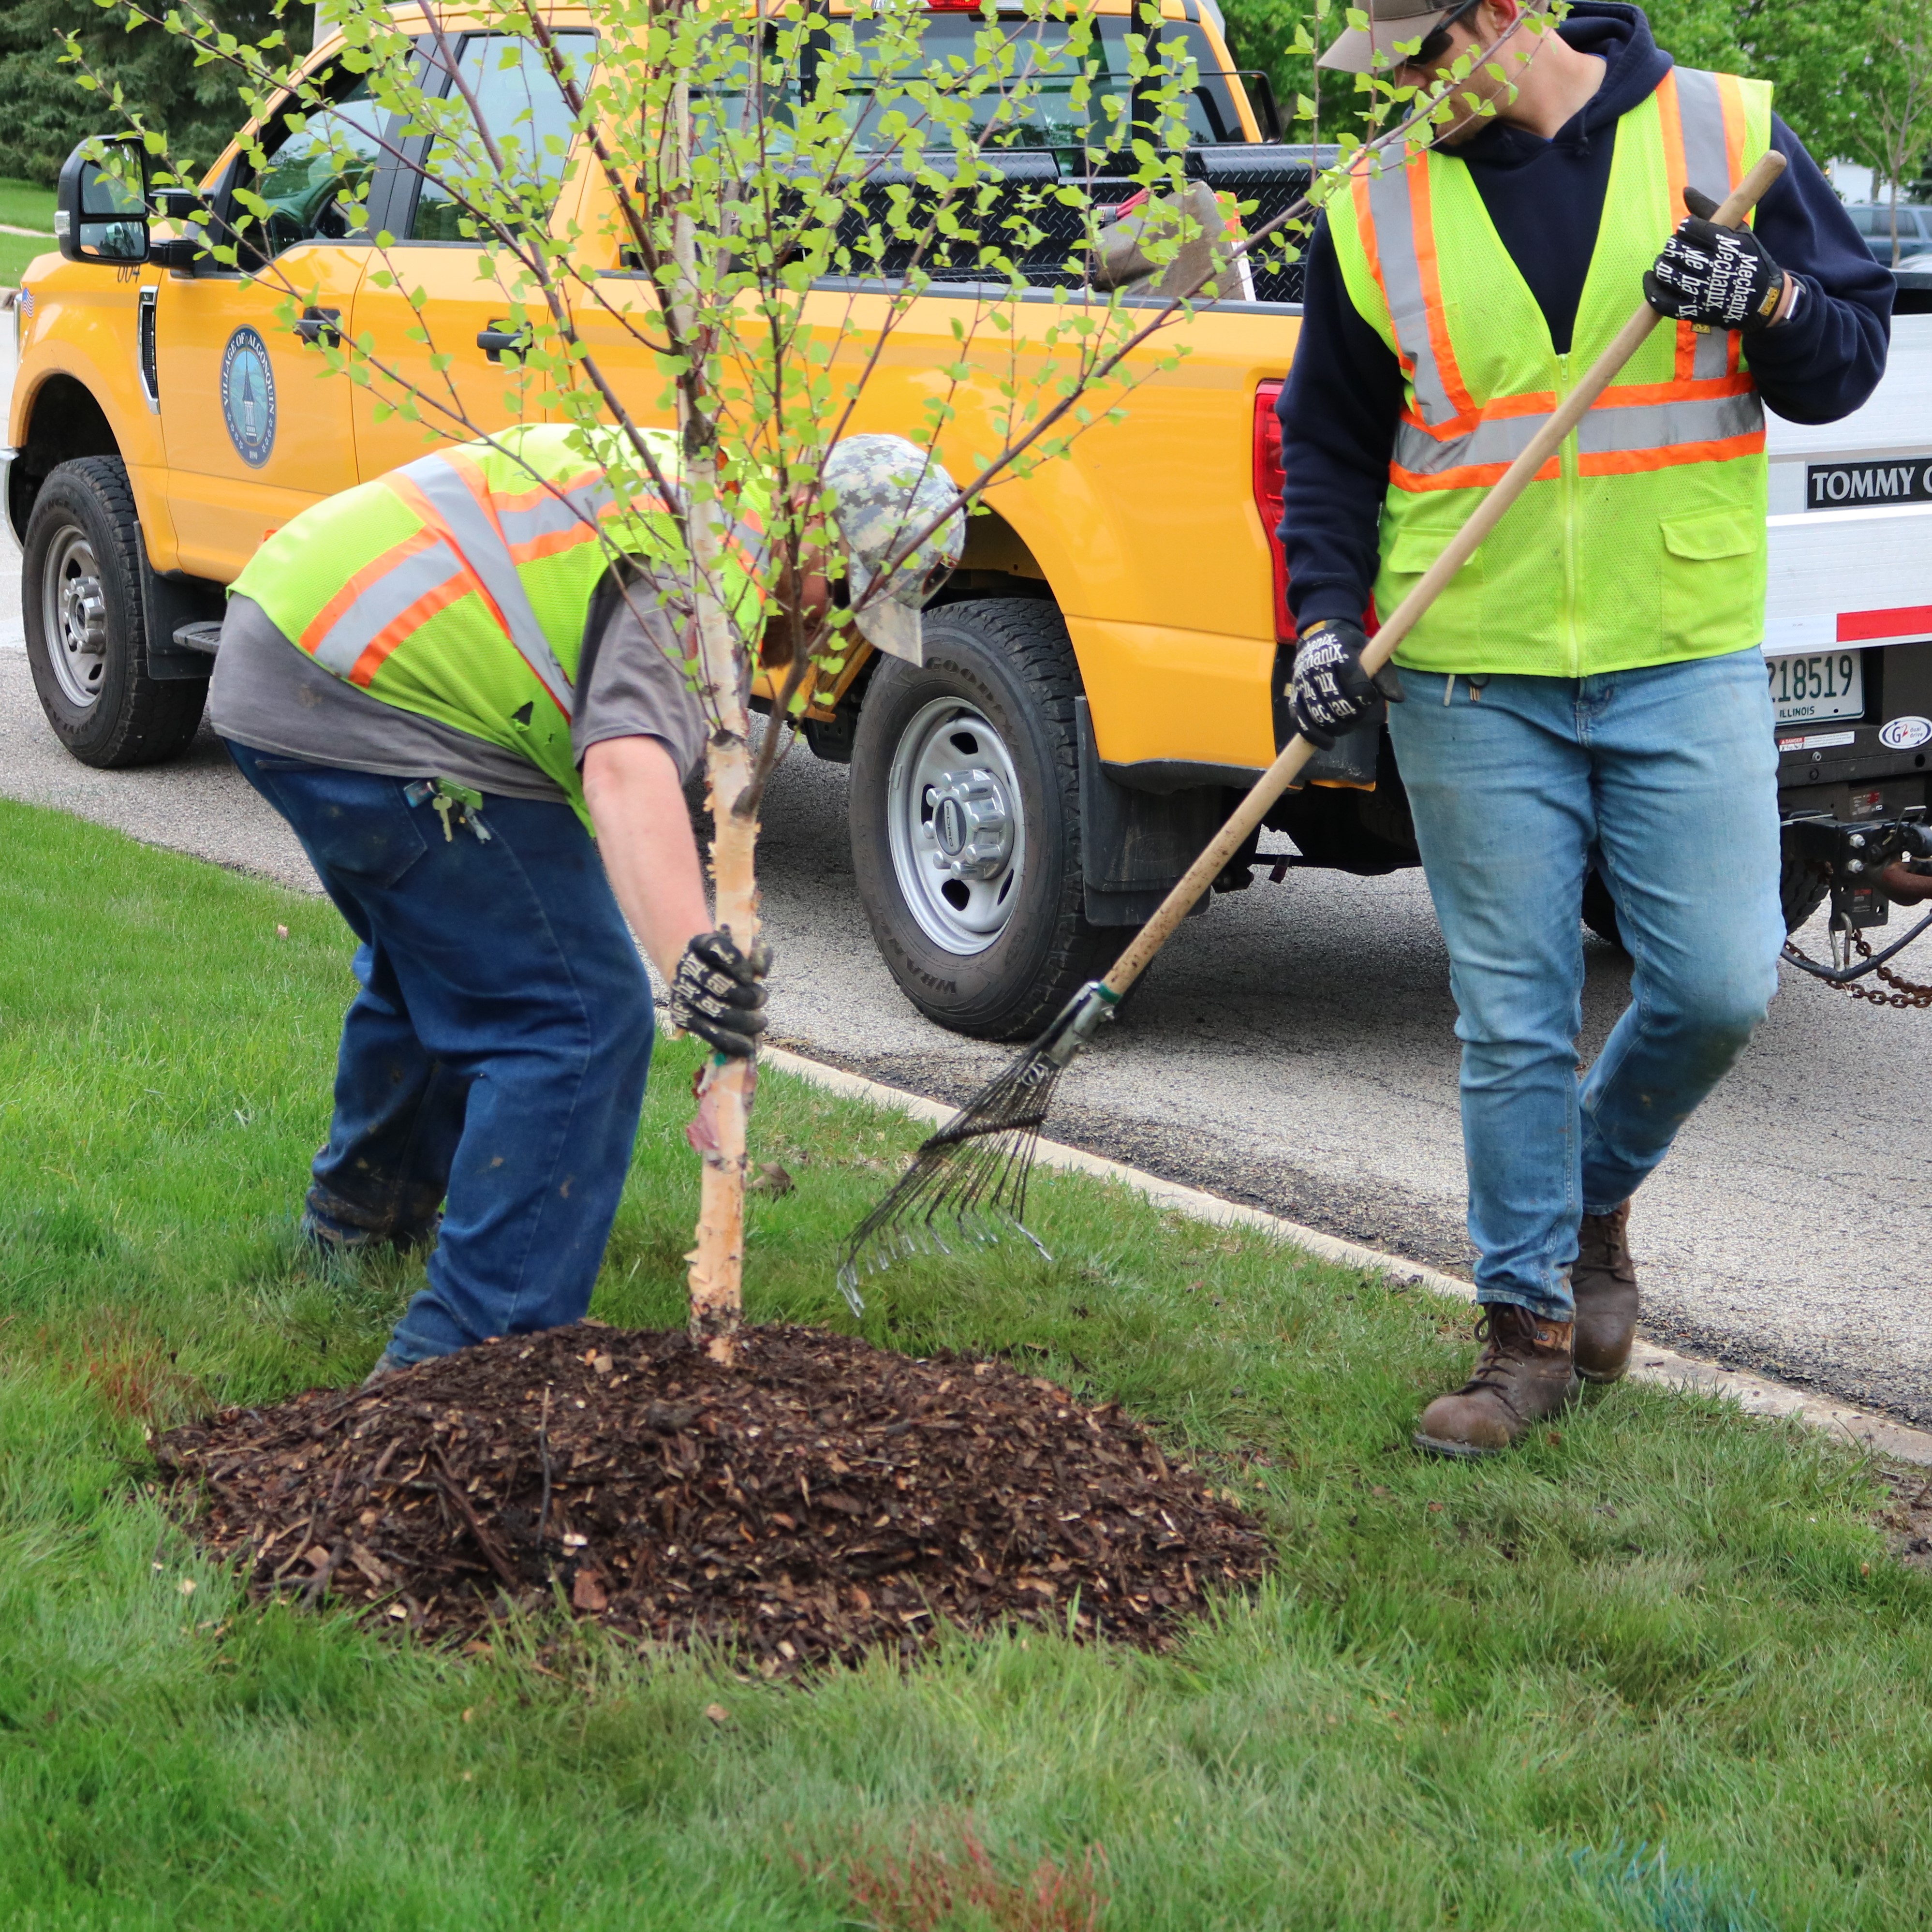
[[1757, 1395]]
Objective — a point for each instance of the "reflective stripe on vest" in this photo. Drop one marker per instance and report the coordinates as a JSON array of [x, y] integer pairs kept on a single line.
[[451, 490], [1447, 441], [471, 541], [1687, 429]]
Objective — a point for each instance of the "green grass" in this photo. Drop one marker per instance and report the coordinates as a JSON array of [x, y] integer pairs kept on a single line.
[[26, 205], [16, 252], [23, 205], [1654, 1671]]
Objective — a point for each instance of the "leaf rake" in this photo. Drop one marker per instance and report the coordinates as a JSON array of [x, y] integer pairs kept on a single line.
[[967, 1185]]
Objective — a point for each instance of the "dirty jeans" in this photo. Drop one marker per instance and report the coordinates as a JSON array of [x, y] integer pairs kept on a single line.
[[1665, 779], [495, 1054]]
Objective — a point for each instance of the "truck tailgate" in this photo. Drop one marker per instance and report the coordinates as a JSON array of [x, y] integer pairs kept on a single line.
[[1851, 514]]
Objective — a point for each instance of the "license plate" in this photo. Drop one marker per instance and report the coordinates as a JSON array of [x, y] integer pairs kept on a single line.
[[1830, 684]]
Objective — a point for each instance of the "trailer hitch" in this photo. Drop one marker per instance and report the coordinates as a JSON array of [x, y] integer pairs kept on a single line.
[[1868, 866], [1857, 859]]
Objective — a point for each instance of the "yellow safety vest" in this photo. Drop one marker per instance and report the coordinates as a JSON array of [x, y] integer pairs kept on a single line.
[[458, 586], [1642, 542]]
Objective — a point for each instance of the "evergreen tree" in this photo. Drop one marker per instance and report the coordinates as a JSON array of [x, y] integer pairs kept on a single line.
[[43, 112]]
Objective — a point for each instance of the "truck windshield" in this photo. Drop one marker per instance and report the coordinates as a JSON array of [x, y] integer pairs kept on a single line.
[[1055, 100]]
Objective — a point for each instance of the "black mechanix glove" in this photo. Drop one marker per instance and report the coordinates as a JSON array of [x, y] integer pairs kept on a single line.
[[1331, 693], [719, 994], [1717, 278]]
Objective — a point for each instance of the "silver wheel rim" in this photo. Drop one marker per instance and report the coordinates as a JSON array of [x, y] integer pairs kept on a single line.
[[955, 825], [73, 618]]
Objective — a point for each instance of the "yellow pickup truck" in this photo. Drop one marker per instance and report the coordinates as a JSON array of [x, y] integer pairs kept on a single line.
[[1103, 674], [1098, 672]]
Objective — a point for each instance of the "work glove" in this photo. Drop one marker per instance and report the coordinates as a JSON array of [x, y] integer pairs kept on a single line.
[[1331, 693], [719, 994], [1716, 277]]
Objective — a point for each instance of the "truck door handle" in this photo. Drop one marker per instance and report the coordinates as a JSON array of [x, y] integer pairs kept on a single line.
[[318, 325], [493, 341]]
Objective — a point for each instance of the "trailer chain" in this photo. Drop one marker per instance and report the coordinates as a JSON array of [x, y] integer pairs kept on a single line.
[[1909, 994]]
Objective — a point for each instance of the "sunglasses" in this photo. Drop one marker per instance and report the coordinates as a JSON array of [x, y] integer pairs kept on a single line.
[[1435, 44]]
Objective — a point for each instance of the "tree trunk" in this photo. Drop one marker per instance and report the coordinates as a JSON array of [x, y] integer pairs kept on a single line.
[[717, 1263]]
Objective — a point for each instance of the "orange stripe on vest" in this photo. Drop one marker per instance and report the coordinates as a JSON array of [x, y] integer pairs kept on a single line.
[[450, 590], [378, 568]]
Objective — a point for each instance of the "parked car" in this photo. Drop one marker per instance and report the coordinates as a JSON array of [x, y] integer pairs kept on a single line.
[[1873, 220]]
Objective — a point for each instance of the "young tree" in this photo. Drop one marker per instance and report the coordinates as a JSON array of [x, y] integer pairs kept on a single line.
[[1895, 88], [713, 219]]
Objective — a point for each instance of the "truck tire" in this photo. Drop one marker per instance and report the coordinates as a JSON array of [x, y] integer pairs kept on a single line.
[[1802, 886], [1599, 911], [87, 637], [965, 820]]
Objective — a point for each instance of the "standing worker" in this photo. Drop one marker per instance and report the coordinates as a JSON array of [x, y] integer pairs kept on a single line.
[[441, 683], [1590, 690]]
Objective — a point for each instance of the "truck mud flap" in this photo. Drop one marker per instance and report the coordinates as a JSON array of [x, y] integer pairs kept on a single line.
[[177, 603], [1134, 845]]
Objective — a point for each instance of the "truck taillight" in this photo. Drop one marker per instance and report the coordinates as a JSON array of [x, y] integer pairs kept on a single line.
[[1269, 478]]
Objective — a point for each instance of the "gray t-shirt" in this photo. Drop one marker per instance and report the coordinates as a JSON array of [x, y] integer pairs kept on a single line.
[[272, 695]]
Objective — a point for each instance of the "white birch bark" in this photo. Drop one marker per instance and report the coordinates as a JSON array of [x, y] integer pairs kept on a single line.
[[717, 1261]]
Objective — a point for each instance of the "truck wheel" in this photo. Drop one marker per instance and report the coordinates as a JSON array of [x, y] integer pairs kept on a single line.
[[1599, 911], [87, 638], [965, 816], [1802, 886]]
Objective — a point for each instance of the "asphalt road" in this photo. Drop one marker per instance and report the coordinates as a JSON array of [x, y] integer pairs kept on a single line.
[[1293, 1049]]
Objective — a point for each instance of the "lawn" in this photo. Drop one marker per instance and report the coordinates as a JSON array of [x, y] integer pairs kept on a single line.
[[1656, 1671], [22, 205], [26, 205]]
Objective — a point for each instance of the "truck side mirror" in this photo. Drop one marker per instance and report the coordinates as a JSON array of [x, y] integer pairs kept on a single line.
[[98, 216]]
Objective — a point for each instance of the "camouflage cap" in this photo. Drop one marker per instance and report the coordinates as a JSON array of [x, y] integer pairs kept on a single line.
[[887, 490]]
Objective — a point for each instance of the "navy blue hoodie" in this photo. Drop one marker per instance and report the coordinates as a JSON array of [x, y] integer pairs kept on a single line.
[[1344, 394]]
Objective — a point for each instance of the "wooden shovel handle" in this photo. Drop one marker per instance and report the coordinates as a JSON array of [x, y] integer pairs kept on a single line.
[[1490, 512]]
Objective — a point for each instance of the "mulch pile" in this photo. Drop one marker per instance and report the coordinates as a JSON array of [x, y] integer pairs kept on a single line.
[[821, 1499]]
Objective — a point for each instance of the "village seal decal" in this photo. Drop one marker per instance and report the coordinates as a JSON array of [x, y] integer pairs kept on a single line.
[[248, 396]]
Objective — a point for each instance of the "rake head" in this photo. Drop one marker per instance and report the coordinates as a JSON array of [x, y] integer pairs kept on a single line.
[[967, 1185]]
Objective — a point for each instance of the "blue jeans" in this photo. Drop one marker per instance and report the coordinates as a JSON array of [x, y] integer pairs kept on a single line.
[[495, 1054], [1665, 778]]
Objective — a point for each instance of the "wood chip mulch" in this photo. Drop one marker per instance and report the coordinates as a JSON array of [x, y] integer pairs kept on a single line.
[[821, 1499], [1907, 1516]]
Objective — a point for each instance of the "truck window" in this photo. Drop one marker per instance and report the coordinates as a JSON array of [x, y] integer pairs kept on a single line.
[[526, 114], [309, 172], [1049, 118]]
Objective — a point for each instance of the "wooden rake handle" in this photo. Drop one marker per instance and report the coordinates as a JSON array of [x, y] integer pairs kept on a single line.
[[1490, 512]]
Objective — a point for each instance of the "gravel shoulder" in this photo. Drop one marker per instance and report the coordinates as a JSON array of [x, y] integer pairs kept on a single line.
[[1294, 1050]]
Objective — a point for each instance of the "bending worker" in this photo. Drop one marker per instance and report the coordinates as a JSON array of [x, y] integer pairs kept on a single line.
[[1590, 690], [440, 682]]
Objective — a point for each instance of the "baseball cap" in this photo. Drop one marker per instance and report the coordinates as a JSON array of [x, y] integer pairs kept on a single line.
[[1392, 23], [887, 488]]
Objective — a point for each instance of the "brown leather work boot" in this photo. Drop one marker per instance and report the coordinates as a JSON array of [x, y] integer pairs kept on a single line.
[[1604, 1282], [1525, 1371]]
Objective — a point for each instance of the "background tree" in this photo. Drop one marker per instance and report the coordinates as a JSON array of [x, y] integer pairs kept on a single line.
[[41, 116], [1893, 88]]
